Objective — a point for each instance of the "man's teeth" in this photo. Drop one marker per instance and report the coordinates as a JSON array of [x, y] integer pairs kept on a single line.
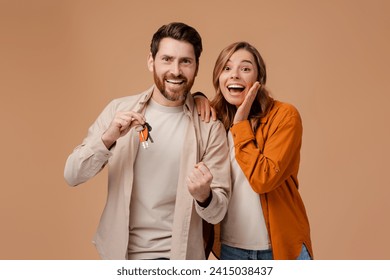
[[175, 81]]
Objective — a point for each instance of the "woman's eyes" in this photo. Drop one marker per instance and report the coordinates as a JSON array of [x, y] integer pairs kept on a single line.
[[244, 69]]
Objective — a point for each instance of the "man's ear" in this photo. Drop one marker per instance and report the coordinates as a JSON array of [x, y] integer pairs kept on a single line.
[[150, 62]]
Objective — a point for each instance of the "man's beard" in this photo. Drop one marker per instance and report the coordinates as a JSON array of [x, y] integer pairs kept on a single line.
[[178, 94]]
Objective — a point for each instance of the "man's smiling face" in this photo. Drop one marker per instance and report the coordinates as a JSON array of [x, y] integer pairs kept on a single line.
[[174, 70]]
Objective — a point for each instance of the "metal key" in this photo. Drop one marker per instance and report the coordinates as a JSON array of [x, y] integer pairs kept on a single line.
[[149, 130]]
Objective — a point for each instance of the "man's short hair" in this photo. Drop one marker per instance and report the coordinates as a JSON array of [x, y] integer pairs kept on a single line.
[[178, 31]]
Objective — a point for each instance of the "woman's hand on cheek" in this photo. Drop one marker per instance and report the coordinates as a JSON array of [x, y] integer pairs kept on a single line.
[[244, 109]]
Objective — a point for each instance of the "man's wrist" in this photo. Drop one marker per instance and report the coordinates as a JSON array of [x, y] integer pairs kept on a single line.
[[207, 201], [108, 142]]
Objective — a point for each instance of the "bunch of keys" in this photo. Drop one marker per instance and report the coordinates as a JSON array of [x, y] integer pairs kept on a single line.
[[144, 134]]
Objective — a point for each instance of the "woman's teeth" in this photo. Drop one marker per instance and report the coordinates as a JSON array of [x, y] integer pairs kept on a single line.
[[236, 88]]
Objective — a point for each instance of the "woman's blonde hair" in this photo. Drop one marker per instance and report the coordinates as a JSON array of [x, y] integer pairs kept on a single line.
[[225, 110]]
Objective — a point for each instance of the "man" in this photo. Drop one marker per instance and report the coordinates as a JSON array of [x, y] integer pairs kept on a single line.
[[167, 168]]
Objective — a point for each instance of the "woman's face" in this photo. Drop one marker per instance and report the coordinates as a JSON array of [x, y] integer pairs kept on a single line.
[[238, 76]]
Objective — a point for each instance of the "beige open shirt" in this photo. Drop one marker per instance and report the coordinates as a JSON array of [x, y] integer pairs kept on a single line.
[[205, 142]]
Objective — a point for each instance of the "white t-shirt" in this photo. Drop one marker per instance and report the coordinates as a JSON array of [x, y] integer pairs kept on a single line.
[[156, 173], [244, 225]]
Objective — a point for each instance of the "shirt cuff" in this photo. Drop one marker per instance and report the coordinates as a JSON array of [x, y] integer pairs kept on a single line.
[[242, 132]]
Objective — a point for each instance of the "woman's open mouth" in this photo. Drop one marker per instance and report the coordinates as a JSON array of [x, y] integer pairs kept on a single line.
[[235, 88]]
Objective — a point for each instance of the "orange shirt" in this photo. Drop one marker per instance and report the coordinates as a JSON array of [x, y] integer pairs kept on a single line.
[[270, 160]]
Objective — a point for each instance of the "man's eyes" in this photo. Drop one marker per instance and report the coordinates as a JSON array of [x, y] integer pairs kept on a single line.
[[186, 61], [170, 59]]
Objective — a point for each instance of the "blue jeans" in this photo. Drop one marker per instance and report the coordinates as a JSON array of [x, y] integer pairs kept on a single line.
[[233, 253]]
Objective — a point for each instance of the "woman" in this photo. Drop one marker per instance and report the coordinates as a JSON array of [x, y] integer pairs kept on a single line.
[[266, 218]]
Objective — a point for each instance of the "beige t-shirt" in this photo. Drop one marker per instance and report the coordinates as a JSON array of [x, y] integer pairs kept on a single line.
[[156, 172], [244, 225]]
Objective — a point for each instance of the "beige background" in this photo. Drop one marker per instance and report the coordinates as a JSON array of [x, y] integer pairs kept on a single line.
[[62, 61]]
